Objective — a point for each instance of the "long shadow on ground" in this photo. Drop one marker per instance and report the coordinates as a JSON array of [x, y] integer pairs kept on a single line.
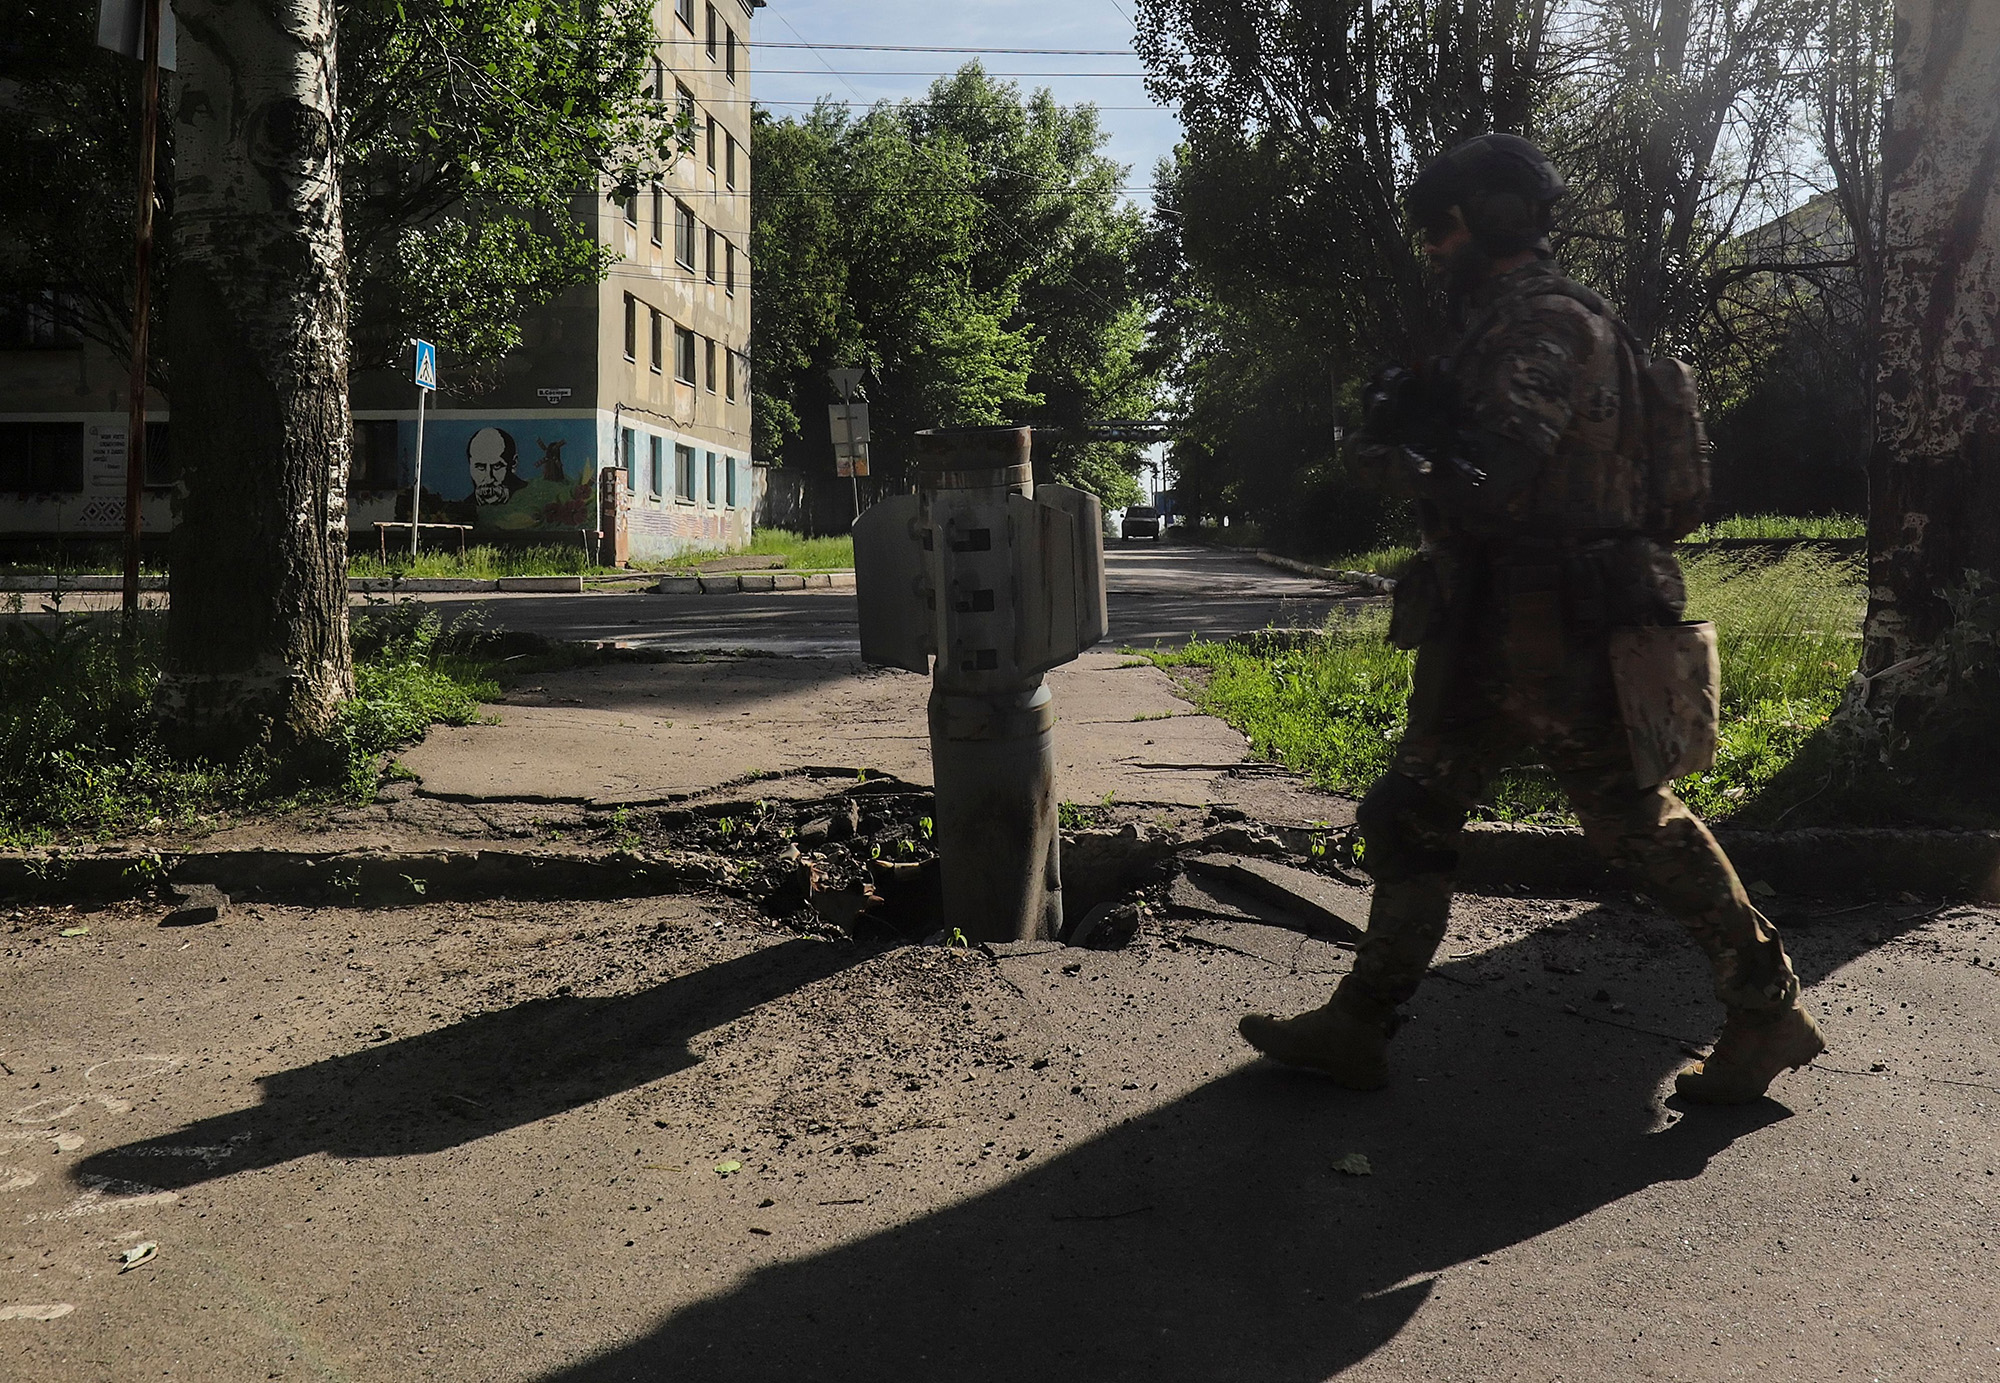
[[1209, 1239], [497, 1070], [1213, 1239]]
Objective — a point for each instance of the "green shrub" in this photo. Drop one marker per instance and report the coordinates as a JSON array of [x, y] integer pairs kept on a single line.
[[79, 755]]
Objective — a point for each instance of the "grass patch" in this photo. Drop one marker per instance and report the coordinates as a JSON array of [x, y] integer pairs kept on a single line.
[[1382, 561], [1332, 709], [799, 552], [80, 758], [484, 562], [1782, 526]]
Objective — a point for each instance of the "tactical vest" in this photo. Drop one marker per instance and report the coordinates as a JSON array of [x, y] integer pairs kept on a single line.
[[1634, 457]]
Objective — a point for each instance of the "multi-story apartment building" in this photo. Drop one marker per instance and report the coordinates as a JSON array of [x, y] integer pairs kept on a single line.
[[645, 372]]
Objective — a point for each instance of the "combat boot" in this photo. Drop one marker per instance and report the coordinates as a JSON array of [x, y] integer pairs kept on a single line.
[[1753, 1048], [1331, 1039]]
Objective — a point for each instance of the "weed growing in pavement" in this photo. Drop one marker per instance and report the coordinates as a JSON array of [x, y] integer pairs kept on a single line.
[[622, 834], [1333, 709], [80, 757], [1074, 816]]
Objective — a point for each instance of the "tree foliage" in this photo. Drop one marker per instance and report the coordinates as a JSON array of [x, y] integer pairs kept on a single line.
[[1283, 271], [969, 251], [468, 131]]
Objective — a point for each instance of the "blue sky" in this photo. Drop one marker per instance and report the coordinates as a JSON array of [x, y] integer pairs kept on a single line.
[[784, 76]]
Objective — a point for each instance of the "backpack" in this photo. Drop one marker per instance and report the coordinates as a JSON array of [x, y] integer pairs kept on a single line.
[[1676, 445], [1669, 431]]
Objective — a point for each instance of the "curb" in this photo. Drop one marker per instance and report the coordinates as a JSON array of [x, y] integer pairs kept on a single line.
[[1962, 866], [365, 876], [1367, 580], [46, 585], [753, 582]]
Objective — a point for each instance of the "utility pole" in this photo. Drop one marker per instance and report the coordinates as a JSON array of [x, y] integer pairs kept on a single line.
[[142, 297]]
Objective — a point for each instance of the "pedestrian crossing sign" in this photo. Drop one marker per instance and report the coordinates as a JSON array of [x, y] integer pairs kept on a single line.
[[427, 365]]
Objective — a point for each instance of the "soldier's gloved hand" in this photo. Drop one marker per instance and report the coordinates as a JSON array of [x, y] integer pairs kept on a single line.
[[1392, 403]]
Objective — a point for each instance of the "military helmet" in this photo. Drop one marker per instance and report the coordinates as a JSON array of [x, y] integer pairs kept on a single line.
[[1501, 184]]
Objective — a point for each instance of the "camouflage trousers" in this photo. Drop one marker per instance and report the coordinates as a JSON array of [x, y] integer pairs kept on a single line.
[[1475, 705]]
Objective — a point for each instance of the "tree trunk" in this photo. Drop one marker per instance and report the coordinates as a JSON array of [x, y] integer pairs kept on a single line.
[[1934, 511], [257, 635]]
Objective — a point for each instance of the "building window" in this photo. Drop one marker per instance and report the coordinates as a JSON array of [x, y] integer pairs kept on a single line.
[[708, 258], [628, 451], [683, 236], [684, 473], [683, 355], [714, 128], [629, 204], [684, 11], [729, 375], [729, 53], [42, 319], [709, 459], [375, 465], [728, 270], [708, 365], [714, 23], [684, 100], [631, 327], [659, 213], [659, 353], [729, 481], [41, 457], [729, 160], [658, 91], [656, 466]]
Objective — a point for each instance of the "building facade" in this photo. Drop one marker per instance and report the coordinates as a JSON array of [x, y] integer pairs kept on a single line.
[[645, 373]]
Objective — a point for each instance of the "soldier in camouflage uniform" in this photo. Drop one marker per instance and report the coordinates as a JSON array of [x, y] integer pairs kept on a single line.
[[1525, 454]]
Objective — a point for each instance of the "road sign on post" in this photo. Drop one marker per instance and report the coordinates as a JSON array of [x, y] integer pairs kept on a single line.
[[849, 424], [850, 448], [427, 380]]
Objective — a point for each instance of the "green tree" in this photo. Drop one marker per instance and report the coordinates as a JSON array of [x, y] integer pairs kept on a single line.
[[467, 131], [971, 252]]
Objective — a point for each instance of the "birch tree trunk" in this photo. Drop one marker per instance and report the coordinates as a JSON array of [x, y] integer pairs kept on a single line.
[[257, 325], [1934, 508]]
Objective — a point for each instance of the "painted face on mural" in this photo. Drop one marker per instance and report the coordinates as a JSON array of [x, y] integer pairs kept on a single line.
[[490, 456]]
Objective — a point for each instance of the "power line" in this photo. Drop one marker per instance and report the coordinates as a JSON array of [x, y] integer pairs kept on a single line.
[[926, 48], [910, 72], [986, 211]]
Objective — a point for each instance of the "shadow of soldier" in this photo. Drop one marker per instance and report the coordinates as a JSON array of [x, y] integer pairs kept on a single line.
[[494, 1071], [1210, 1239], [1214, 1238]]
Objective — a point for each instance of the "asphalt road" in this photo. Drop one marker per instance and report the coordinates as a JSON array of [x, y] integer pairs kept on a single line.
[[1159, 594]]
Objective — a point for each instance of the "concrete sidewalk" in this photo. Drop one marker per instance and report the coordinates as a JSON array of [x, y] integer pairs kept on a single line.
[[639, 733]]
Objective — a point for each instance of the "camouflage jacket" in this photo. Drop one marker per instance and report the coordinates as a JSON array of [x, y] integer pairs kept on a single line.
[[1544, 397]]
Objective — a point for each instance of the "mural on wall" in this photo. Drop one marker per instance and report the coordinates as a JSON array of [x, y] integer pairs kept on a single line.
[[510, 474]]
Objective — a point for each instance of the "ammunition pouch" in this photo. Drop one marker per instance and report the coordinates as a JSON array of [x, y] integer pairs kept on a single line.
[[1419, 609], [1669, 683]]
